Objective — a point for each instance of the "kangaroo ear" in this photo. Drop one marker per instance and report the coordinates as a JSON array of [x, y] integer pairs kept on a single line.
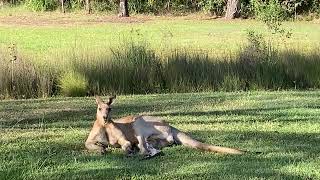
[[98, 99], [111, 99]]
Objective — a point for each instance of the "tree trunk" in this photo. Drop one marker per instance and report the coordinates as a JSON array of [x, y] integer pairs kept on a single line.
[[1, 3], [233, 9], [123, 8], [62, 6], [88, 6]]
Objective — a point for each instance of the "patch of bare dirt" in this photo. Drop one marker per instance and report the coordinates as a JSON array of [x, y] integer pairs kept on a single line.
[[72, 19], [58, 19]]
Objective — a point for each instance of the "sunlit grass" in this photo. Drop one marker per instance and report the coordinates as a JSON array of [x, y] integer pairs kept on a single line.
[[42, 32], [44, 138]]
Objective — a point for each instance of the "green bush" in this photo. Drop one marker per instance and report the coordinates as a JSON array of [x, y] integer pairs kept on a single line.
[[73, 84], [270, 12], [20, 78], [42, 5], [105, 5], [299, 6], [215, 7]]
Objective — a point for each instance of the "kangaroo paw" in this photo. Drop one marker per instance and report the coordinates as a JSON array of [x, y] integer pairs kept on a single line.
[[103, 151], [102, 145]]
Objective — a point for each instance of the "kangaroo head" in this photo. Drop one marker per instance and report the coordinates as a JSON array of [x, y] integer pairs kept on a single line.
[[104, 109]]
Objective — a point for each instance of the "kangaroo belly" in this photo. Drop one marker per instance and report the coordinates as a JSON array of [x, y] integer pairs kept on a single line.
[[157, 132]]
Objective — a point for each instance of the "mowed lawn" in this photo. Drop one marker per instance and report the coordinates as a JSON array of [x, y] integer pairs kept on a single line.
[[44, 138], [41, 33]]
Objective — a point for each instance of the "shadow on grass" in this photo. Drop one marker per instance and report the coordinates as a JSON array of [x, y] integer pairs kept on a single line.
[[61, 114], [273, 114], [83, 116], [280, 151], [60, 118], [278, 147]]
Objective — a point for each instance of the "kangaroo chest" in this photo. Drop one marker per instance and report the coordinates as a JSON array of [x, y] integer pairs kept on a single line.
[[113, 134]]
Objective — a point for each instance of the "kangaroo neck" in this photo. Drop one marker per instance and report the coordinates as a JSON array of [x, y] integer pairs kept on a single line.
[[100, 121], [109, 124]]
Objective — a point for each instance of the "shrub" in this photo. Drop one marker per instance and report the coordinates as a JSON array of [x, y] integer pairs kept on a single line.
[[21, 78], [214, 7], [73, 84], [42, 5], [129, 68], [271, 13], [105, 5]]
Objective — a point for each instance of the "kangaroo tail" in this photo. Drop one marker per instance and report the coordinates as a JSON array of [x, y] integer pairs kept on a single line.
[[184, 139]]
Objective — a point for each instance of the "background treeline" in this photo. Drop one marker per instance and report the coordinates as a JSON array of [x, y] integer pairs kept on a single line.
[[158, 7]]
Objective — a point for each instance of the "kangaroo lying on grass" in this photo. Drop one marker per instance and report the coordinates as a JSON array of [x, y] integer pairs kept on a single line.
[[140, 130], [105, 131], [98, 139]]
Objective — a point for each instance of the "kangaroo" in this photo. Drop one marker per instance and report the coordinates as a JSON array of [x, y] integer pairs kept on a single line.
[[155, 131], [98, 139], [141, 131], [120, 134]]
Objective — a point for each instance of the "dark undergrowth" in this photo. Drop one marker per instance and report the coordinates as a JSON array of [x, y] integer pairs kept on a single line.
[[135, 69]]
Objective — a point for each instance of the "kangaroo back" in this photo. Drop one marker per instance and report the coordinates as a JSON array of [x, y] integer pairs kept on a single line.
[[184, 139]]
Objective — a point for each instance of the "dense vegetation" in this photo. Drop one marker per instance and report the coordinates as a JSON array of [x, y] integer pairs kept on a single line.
[[135, 69], [216, 7], [44, 139], [152, 59]]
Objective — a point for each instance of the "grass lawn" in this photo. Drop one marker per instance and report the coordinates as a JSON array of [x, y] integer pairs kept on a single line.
[[43, 32], [44, 138]]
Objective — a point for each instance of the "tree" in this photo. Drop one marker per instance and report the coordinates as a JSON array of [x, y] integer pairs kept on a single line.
[[123, 8], [88, 6], [233, 9], [62, 6]]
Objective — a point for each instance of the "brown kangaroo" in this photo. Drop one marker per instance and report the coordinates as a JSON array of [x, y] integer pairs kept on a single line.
[[139, 130], [98, 139], [158, 133]]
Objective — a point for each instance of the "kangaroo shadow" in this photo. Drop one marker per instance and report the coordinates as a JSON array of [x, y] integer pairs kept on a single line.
[[280, 149], [180, 162]]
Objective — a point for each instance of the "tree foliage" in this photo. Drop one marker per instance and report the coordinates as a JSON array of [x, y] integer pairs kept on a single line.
[[290, 8]]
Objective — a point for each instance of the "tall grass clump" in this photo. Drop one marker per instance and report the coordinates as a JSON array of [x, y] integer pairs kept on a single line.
[[21, 78], [262, 66], [73, 84], [128, 69], [257, 66], [188, 71], [134, 68]]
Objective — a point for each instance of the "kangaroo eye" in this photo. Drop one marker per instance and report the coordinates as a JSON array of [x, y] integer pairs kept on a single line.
[[99, 109]]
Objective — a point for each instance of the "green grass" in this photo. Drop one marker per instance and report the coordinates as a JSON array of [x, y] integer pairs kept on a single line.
[[44, 138], [42, 32], [157, 54]]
